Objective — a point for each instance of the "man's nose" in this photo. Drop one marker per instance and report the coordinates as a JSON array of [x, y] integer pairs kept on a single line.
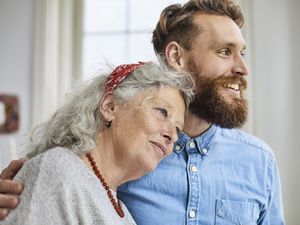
[[240, 66]]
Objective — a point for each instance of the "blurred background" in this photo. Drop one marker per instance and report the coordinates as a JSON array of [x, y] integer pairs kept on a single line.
[[46, 45]]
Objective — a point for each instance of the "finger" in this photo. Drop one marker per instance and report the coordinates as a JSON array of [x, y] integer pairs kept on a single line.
[[8, 201], [11, 187], [12, 169], [3, 213]]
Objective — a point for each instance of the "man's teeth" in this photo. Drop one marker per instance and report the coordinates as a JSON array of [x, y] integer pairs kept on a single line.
[[235, 87]]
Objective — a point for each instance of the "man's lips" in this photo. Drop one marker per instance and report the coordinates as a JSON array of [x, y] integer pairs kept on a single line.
[[234, 89], [160, 147]]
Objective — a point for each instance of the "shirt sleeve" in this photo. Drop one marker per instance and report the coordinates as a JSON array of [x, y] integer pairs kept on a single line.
[[45, 198], [272, 213]]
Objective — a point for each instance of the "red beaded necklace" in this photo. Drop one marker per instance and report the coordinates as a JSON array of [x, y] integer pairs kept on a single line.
[[116, 204]]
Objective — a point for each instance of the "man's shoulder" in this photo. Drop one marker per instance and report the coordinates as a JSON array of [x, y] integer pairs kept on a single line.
[[247, 139]]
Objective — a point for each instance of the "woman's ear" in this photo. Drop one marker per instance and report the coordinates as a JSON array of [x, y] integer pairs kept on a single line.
[[174, 55], [107, 106]]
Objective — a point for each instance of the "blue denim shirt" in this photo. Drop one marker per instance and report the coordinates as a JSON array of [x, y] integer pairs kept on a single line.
[[224, 176]]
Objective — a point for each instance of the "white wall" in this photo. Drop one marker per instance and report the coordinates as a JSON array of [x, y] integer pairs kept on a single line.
[[16, 39], [276, 76]]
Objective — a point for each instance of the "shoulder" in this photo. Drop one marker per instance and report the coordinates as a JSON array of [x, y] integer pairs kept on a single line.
[[53, 165], [247, 140], [54, 179], [55, 158]]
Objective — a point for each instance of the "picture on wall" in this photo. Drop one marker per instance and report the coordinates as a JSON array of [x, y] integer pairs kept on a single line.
[[9, 114]]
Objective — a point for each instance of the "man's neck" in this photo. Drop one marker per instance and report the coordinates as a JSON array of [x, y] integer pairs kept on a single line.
[[194, 126]]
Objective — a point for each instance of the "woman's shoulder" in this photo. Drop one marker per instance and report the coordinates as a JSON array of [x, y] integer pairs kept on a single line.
[[53, 165], [55, 158]]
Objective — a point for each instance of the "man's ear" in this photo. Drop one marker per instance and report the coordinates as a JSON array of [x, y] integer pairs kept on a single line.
[[174, 55], [107, 106]]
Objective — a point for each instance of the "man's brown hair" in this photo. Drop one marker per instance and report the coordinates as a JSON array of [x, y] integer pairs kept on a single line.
[[176, 21]]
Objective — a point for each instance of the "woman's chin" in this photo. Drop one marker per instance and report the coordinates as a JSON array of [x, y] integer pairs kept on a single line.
[[146, 169]]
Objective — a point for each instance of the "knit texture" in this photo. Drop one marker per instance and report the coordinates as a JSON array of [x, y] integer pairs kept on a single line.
[[60, 189]]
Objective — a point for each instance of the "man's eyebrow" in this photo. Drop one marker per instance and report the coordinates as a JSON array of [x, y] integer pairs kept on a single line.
[[233, 45]]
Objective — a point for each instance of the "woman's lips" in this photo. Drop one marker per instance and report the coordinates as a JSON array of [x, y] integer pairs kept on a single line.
[[160, 147]]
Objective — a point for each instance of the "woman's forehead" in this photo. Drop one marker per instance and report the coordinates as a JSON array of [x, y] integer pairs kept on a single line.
[[165, 95]]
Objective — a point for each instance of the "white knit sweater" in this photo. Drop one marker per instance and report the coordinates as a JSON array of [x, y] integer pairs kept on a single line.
[[61, 189]]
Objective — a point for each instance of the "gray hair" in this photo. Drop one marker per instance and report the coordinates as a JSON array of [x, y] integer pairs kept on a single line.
[[77, 123]]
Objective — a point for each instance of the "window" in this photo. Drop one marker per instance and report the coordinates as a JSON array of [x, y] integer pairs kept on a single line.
[[118, 31]]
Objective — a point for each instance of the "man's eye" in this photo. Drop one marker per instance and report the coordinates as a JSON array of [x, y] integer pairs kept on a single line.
[[243, 53], [225, 52], [163, 111]]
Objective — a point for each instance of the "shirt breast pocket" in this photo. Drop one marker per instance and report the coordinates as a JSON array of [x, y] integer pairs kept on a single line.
[[236, 212]]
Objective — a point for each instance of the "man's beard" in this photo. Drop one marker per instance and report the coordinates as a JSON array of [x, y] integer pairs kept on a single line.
[[210, 105]]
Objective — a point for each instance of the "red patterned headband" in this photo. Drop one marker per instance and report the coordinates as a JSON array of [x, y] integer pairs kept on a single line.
[[119, 74]]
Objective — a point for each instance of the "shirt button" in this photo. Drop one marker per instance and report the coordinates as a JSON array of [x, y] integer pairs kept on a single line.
[[177, 148], [192, 144], [204, 150], [221, 212], [194, 169], [192, 213]]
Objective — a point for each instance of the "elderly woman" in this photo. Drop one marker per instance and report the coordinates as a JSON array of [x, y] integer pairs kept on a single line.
[[116, 129]]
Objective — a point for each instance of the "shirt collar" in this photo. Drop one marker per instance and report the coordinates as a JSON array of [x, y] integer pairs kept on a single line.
[[203, 141]]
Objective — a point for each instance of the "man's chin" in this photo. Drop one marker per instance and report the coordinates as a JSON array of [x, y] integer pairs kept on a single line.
[[224, 107], [234, 115], [222, 113]]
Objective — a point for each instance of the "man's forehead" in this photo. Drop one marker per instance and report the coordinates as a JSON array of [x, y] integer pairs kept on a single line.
[[206, 19], [220, 28], [215, 23]]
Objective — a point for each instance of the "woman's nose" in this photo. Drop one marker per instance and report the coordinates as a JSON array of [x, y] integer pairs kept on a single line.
[[170, 134]]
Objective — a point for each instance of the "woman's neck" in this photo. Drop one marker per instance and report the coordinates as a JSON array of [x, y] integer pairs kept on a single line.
[[107, 163]]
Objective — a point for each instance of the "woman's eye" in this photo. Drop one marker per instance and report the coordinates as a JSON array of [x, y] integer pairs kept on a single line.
[[178, 131], [163, 111]]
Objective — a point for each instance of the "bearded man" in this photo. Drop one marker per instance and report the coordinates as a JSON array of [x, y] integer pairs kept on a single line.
[[217, 174]]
